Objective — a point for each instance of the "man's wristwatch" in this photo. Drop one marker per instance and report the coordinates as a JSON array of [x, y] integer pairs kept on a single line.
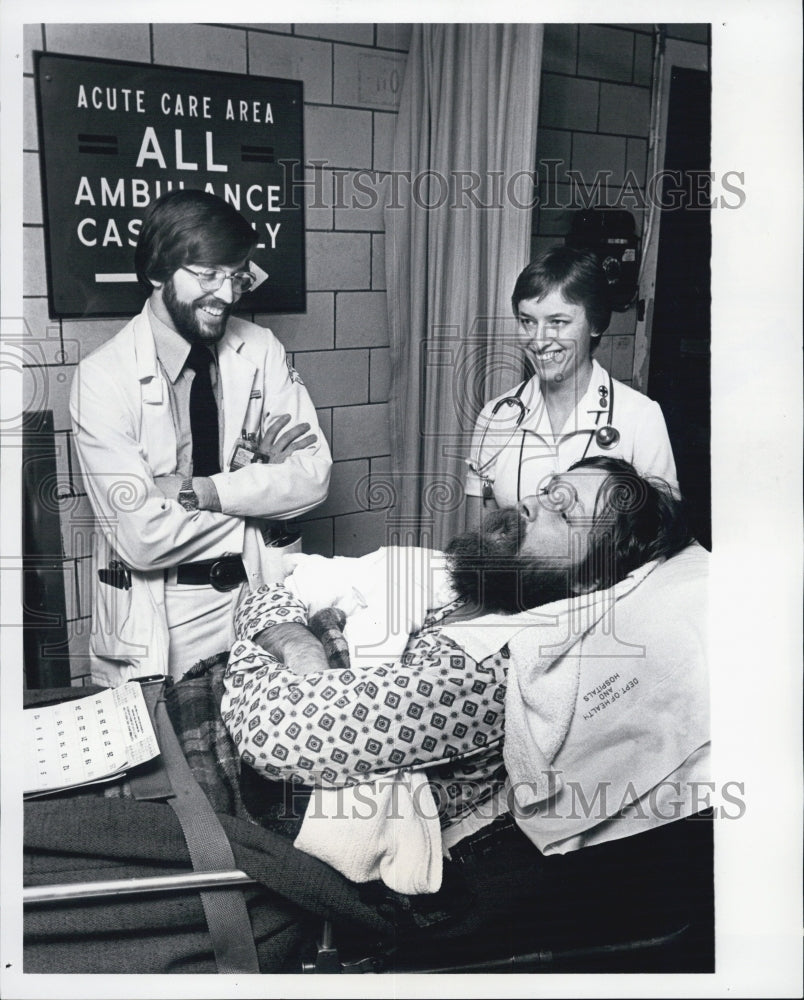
[[187, 495]]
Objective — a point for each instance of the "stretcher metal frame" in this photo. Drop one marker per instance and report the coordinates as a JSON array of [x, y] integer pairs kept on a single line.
[[327, 959], [71, 892]]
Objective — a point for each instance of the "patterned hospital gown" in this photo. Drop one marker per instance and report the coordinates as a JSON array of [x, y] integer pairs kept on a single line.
[[342, 727]]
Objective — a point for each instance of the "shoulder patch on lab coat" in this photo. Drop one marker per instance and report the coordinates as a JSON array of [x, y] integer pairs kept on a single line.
[[294, 375]]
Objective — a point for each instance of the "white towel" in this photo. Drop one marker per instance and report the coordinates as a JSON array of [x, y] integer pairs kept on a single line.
[[542, 687], [384, 594], [638, 738], [542, 684], [385, 829]]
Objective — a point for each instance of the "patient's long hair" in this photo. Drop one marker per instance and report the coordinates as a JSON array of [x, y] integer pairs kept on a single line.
[[636, 519]]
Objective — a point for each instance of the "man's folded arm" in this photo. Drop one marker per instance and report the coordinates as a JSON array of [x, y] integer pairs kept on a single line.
[[148, 530], [286, 490], [333, 727], [296, 476]]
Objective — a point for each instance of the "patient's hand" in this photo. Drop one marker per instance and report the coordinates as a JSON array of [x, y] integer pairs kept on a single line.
[[296, 646]]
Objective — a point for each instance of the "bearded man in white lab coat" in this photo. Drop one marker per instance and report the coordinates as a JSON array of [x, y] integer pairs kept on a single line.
[[193, 430]]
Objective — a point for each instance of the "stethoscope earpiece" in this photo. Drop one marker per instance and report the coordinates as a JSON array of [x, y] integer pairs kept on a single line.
[[512, 401], [515, 400], [605, 437]]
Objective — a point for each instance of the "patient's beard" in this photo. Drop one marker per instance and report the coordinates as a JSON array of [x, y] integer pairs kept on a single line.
[[487, 573]]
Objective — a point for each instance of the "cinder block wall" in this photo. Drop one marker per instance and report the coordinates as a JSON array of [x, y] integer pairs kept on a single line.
[[594, 117], [340, 346], [595, 113]]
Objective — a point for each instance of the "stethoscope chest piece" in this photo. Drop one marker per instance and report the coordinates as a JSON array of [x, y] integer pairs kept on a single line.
[[607, 437]]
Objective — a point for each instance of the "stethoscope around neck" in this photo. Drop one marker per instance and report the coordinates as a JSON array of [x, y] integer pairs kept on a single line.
[[606, 436]]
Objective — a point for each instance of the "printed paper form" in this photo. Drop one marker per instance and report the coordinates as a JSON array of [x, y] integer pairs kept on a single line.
[[90, 739]]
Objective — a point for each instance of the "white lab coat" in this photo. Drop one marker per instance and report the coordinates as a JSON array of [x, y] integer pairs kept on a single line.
[[496, 456], [125, 437]]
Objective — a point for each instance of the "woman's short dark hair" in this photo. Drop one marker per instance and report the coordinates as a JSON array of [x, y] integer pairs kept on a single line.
[[636, 519], [190, 226], [577, 274]]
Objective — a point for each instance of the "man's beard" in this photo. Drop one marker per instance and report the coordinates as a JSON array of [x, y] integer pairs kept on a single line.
[[487, 572], [185, 316]]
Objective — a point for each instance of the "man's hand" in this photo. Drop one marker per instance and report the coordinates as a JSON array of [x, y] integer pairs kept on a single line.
[[295, 646], [208, 498], [276, 447]]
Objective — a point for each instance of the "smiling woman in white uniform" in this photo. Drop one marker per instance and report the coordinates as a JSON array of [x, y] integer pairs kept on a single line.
[[571, 408]]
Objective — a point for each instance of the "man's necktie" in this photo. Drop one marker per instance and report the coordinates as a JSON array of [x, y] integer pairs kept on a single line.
[[203, 414]]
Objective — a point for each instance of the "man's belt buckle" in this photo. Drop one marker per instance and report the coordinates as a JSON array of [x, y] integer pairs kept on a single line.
[[226, 574]]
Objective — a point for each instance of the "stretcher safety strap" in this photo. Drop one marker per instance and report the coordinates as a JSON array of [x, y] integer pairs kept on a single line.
[[210, 851]]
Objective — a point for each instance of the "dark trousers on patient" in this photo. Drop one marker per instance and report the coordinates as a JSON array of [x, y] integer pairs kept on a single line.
[[642, 903]]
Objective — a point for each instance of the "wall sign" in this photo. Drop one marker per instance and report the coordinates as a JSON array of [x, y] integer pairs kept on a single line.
[[115, 135]]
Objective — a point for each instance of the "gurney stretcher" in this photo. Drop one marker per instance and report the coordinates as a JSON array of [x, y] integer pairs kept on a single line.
[[78, 911], [102, 896]]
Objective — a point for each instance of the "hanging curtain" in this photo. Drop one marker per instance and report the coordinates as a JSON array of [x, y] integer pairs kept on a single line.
[[458, 230]]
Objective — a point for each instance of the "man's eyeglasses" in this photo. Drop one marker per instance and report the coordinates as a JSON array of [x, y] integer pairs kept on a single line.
[[211, 278]]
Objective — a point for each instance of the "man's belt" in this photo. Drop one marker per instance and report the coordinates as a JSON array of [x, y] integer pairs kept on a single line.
[[224, 573]]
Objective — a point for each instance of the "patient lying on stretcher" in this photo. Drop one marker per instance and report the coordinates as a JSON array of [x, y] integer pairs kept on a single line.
[[548, 627]]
